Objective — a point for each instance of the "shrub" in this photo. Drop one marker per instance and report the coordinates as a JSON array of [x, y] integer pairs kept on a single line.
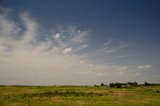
[[118, 85], [102, 84], [112, 85], [135, 84], [146, 84], [131, 83]]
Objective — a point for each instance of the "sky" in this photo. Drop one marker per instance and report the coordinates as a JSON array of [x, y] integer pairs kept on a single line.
[[79, 42]]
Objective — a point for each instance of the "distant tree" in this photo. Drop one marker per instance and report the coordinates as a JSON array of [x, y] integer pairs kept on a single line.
[[96, 86], [118, 85], [146, 84], [102, 84], [124, 85], [112, 85], [131, 83], [135, 84]]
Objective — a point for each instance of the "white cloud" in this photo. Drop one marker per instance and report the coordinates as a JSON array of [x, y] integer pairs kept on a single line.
[[80, 36], [26, 59], [107, 50], [81, 47], [79, 31], [122, 68], [57, 36], [108, 42], [7, 26], [84, 46], [144, 66], [114, 49], [67, 50], [31, 28]]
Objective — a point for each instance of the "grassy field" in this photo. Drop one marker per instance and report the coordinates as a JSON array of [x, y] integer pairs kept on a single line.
[[79, 96]]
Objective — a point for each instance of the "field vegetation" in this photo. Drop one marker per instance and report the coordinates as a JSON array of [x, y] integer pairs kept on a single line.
[[101, 95]]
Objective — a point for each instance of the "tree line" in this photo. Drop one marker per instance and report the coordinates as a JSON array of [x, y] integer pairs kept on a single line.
[[126, 84]]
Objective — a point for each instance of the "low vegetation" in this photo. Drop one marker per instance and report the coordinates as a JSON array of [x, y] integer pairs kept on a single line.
[[114, 94], [127, 84]]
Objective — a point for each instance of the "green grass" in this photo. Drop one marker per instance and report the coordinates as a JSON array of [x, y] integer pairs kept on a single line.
[[78, 96]]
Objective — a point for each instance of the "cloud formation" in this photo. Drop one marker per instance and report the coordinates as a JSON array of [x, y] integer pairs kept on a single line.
[[57, 36], [67, 50], [27, 58], [144, 66], [30, 56]]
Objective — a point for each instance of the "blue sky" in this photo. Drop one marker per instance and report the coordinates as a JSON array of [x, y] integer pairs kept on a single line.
[[96, 40]]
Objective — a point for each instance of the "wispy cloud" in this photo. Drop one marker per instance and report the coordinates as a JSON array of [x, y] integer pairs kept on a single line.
[[122, 68], [109, 50], [108, 42], [67, 50], [57, 36], [114, 49], [106, 49], [30, 56], [141, 67], [80, 37]]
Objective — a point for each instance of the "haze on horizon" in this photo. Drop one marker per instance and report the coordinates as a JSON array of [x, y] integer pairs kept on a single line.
[[48, 42]]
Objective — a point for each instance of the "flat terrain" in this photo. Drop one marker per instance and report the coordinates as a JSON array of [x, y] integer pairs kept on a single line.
[[79, 96]]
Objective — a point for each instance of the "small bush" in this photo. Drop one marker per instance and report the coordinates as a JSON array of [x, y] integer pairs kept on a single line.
[[112, 85], [102, 84], [118, 85], [146, 84]]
